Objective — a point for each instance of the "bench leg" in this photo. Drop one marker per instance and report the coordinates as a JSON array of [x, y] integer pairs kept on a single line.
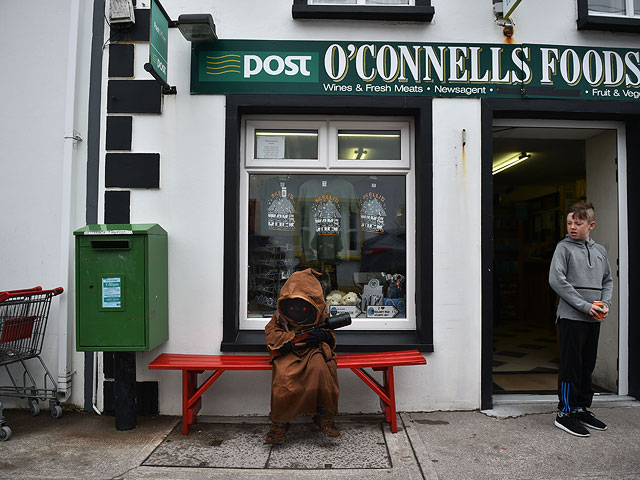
[[189, 388], [386, 392], [389, 389]]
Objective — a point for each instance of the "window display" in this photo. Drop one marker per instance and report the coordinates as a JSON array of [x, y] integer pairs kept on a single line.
[[351, 228]]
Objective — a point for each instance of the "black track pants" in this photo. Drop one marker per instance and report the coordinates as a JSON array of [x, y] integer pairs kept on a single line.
[[578, 350]]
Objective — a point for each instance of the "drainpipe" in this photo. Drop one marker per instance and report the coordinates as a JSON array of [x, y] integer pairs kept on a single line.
[[71, 139]]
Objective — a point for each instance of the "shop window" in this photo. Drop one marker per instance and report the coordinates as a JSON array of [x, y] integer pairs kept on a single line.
[[612, 15], [399, 10], [615, 7], [330, 195]]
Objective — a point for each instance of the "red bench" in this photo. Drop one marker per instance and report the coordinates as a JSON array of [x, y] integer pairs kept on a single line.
[[192, 365]]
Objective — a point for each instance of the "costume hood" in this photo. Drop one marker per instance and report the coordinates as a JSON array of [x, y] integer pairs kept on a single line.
[[305, 285]]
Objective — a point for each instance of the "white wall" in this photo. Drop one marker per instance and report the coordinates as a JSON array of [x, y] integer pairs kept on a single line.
[[42, 199], [537, 21], [189, 204]]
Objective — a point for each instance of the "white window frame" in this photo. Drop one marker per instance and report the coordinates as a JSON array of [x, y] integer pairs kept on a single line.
[[391, 164], [629, 7], [252, 162], [250, 123]]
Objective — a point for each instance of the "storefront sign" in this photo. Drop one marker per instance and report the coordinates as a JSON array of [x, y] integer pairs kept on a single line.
[[159, 44], [384, 69]]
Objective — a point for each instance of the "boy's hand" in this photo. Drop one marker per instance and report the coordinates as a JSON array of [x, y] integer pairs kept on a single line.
[[598, 312]]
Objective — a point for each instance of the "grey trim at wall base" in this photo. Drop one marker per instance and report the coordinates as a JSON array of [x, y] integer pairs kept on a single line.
[[238, 340], [627, 112]]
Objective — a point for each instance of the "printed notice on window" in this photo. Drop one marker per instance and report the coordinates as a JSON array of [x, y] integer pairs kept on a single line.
[[112, 292], [269, 147]]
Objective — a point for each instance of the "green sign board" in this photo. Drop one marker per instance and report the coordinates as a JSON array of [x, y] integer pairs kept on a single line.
[[404, 69], [159, 44], [510, 6]]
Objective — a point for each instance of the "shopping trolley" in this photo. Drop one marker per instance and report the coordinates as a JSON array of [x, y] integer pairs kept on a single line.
[[23, 321]]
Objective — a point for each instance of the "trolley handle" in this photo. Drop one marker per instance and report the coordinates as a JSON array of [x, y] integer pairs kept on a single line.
[[29, 292]]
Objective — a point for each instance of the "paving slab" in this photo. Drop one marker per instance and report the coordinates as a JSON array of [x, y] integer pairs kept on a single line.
[[471, 445], [431, 446], [76, 446], [242, 445], [85, 446]]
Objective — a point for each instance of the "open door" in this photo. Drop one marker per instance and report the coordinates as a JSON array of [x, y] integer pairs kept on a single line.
[[552, 169], [601, 172]]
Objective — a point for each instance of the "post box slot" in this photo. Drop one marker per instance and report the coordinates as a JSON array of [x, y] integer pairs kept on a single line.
[[110, 244]]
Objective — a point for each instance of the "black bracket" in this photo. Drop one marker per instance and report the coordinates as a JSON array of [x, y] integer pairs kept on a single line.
[[166, 88]]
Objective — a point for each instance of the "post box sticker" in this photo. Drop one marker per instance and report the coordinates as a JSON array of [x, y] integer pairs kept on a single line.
[[112, 292]]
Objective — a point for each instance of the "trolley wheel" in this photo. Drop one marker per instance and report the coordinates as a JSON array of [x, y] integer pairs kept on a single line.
[[56, 411], [5, 434], [34, 406]]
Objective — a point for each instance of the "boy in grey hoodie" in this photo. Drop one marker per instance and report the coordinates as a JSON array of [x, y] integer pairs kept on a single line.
[[581, 276]]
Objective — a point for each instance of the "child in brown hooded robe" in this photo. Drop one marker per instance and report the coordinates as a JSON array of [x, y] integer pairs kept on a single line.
[[304, 378]]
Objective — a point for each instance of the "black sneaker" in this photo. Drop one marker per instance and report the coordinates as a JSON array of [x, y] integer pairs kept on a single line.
[[571, 425], [589, 419]]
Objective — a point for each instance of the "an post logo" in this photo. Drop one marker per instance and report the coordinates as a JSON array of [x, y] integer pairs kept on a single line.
[[259, 67], [275, 65]]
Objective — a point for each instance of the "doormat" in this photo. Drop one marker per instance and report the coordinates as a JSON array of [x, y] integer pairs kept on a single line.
[[241, 445], [526, 382]]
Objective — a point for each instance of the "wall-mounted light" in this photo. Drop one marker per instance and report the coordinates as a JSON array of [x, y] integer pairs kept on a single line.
[[197, 27], [502, 166]]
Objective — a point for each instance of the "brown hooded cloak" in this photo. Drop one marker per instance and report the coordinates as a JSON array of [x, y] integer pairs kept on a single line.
[[305, 380]]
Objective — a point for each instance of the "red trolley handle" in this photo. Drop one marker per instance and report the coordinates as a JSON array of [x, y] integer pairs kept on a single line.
[[28, 292]]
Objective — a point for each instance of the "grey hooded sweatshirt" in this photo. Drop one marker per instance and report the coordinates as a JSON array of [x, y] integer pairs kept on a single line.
[[580, 275]]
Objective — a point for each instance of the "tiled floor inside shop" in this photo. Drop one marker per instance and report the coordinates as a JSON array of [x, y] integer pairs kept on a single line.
[[525, 358]]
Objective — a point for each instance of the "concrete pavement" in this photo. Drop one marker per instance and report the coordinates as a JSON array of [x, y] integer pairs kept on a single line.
[[513, 441]]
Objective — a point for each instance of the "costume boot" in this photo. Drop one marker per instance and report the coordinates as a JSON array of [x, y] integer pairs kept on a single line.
[[277, 433], [324, 421]]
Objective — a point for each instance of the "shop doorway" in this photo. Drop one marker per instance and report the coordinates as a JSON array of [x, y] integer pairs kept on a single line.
[[538, 173]]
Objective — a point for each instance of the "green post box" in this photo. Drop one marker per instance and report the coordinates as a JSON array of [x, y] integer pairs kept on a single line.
[[121, 287]]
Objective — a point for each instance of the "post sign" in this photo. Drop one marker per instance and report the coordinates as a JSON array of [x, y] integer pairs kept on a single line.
[[159, 40], [421, 69], [510, 6]]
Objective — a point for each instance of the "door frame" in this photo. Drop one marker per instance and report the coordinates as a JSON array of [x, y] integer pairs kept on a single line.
[[566, 114]]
